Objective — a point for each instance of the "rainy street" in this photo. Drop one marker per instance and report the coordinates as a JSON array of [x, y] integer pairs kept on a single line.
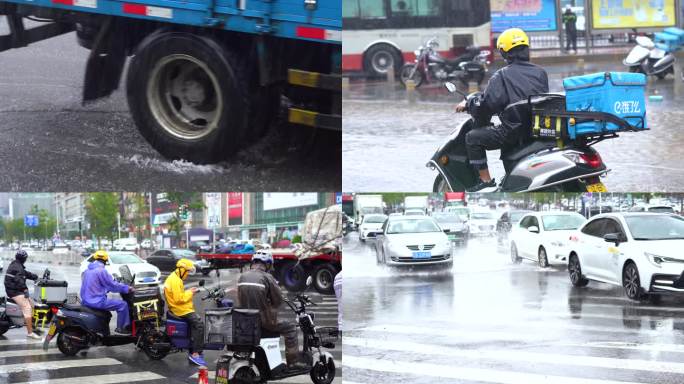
[[386, 136], [50, 142], [489, 320], [23, 361]]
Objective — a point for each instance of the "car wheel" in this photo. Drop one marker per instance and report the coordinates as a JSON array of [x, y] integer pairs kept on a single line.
[[514, 254], [575, 272], [631, 282], [543, 258]]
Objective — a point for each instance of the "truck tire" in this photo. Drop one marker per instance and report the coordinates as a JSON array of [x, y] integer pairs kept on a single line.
[[188, 96], [324, 278], [293, 276]]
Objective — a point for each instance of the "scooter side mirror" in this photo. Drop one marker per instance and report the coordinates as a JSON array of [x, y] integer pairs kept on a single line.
[[309, 281], [450, 86], [201, 283]]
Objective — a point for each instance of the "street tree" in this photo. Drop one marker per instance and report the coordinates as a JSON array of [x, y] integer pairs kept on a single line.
[[101, 210]]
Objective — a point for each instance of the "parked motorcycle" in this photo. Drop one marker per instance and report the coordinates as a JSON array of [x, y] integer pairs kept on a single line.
[[531, 164], [648, 59], [11, 315], [261, 362], [429, 66]]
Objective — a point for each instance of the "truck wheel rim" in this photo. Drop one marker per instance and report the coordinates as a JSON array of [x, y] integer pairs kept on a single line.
[[185, 97], [324, 279]]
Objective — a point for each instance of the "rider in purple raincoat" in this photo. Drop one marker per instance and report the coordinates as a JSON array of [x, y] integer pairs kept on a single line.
[[96, 283]]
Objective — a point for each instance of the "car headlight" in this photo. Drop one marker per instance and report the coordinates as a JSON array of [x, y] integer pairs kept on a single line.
[[658, 260]]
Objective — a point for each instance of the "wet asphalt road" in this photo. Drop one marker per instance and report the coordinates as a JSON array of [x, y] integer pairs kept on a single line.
[[492, 321], [22, 361], [387, 141], [50, 142]]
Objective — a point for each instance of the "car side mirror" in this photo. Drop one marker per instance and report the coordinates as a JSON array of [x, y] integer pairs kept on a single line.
[[85, 254], [533, 229], [447, 230], [201, 283], [612, 238]]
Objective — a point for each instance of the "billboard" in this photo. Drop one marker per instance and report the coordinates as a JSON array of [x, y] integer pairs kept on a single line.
[[282, 200], [529, 15], [212, 201], [30, 221], [234, 208], [607, 14]]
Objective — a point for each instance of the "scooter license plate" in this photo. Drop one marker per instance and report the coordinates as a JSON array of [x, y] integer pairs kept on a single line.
[[598, 187], [52, 330], [422, 255]]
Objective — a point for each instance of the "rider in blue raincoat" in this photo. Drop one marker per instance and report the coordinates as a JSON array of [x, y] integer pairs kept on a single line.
[[96, 283]]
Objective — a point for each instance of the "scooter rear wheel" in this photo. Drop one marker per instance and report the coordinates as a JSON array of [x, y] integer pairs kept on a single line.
[[65, 344], [244, 375], [323, 373], [150, 340]]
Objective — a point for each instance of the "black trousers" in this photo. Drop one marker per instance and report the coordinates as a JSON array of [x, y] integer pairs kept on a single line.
[[480, 140], [570, 38], [196, 332]]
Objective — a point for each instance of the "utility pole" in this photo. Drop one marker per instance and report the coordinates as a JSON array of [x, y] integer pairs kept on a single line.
[[118, 225]]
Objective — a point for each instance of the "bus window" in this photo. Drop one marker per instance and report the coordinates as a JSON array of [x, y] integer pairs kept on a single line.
[[416, 7], [371, 9]]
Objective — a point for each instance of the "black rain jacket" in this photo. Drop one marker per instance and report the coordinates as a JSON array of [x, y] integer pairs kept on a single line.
[[512, 83], [15, 279], [258, 289]]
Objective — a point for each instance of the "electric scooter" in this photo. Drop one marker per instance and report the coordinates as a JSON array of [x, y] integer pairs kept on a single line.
[[646, 58], [261, 361]]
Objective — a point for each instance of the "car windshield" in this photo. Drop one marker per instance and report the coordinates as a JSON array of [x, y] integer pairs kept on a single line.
[[418, 225], [374, 219], [367, 210], [482, 215], [662, 209], [562, 222], [447, 218], [183, 253], [655, 227], [517, 215], [124, 258]]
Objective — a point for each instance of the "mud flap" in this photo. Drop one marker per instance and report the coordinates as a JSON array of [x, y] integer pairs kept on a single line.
[[105, 63]]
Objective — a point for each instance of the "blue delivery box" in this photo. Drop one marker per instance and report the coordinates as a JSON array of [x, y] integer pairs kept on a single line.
[[677, 32], [666, 41], [619, 93]]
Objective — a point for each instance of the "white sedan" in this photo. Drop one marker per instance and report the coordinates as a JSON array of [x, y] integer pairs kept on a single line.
[[642, 252], [144, 272], [370, 225], [544, 236], [482, 222]]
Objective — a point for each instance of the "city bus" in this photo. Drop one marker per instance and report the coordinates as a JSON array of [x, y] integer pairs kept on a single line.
[[380, 34]]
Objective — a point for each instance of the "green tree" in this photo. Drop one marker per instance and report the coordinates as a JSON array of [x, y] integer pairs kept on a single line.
[[101, 212], [139, 219], [193, 200]]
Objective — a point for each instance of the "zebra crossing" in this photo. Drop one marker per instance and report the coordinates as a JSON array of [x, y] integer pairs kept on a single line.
[[24, 361], [540, 347]]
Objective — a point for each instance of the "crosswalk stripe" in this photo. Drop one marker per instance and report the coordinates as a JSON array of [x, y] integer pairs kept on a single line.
[[518, 355], [676, 348], [28, 352], [101, 379], [618, 307], [472, 374], [460, 333], [19, 342], [58, 364]]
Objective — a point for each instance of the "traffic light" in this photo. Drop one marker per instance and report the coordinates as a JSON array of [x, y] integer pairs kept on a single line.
[[183, 211]]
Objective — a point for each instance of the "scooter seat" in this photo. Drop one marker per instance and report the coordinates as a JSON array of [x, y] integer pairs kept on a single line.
[[527, 150], [266, 334], [94, 311]]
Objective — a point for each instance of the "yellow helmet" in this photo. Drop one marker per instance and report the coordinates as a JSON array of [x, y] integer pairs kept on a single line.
[[511, 38], [186, 264], [101, 255]]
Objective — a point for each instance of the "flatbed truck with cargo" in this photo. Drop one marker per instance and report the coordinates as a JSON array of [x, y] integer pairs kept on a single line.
[[206, 77]]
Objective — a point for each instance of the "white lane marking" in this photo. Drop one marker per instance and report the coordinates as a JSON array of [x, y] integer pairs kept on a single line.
[[462, 334], [518, 355], [19, 342], [471, 374], [57, 364], [28, 352], [652, 347], [617, 306], [101, 379]]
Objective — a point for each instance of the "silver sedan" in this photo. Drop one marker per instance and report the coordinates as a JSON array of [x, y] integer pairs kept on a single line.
[[413, 240]]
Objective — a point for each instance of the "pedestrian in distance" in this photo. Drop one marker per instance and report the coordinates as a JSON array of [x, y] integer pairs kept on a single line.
[[570, 22], [180, 305], [15, 287]]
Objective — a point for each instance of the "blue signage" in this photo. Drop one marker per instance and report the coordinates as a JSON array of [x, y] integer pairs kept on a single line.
[[31, 221], [338, 198], [529, 15]]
